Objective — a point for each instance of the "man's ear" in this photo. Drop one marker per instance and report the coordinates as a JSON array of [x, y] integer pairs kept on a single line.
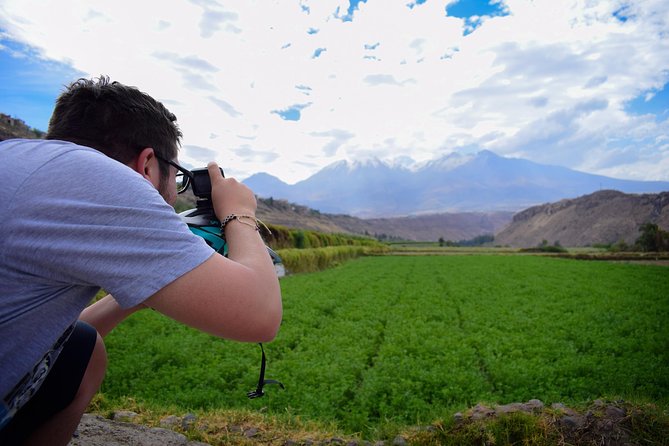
[[146, 164]]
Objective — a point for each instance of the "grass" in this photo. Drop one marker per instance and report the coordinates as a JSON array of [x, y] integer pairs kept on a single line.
[[643, 424], [378, 344]]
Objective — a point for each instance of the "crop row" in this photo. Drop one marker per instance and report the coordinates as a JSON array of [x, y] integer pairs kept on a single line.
[[318, 259], [281, 237]]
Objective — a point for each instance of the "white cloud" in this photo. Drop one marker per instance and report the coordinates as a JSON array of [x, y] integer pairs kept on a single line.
[[548, 82]]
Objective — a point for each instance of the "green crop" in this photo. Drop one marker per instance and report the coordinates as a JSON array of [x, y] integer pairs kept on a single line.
[[412, 339]]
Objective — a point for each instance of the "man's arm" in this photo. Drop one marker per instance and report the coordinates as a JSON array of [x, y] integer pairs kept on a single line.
[[106, 314], [237, 297]]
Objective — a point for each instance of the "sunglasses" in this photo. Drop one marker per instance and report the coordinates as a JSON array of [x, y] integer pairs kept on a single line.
[[184, 176]]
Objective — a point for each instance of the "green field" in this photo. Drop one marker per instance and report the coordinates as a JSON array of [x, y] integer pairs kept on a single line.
[[409, 339]]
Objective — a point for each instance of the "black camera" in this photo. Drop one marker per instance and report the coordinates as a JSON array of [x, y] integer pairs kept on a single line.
[[202, 183]]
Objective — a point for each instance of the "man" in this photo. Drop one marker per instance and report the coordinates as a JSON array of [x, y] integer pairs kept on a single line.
[[89, 208]]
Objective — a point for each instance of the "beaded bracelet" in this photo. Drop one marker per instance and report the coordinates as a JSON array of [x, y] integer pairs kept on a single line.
[[255, 225]]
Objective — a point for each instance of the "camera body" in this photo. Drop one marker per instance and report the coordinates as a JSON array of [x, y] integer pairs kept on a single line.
[[201, 183], [202, 220]]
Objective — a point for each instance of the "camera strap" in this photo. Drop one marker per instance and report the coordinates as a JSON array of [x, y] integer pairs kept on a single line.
[[259, 392]]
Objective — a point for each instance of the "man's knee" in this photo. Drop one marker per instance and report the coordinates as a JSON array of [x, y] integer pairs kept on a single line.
[[95, 371]]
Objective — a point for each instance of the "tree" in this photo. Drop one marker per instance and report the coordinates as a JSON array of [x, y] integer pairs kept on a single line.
[[652, 238]]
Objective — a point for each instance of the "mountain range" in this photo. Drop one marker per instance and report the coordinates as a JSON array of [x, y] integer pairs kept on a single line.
[[481, 182]]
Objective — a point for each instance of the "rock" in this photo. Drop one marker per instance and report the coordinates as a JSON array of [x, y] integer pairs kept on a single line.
[[251, 432], [533, 405], [188, 421], [508, 408], [615, 413], [479, 412], [97, 431], [169, 421], [572, 422], [562, 408], [124, 415], [399, 441]]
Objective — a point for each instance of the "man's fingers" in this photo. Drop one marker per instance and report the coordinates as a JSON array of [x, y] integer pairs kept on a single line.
[[215, 173]]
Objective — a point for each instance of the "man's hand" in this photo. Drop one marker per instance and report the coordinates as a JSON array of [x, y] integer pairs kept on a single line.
[[230, 196]]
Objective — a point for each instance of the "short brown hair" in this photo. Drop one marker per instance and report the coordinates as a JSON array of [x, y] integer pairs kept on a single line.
[[118, 120]]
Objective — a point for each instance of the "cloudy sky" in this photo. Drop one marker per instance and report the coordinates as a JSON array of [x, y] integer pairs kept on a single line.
[[290, 86]]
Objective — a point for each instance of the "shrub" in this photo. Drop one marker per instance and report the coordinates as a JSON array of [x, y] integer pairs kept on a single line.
[[317, 259], [652, 238]]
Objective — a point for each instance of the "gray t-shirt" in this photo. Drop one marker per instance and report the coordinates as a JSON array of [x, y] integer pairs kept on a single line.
[[74, 221]]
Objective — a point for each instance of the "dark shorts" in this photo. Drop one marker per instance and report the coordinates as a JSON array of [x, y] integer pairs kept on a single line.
[[58, 389]]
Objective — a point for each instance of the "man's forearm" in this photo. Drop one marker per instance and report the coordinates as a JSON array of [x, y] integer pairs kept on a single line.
[[106, 314]]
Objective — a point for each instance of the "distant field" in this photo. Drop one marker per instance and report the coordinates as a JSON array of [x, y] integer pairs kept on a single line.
[[408, 339]]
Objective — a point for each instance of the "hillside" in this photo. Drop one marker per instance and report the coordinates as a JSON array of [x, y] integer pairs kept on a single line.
[[11, 128], [604, 217], [455, 226]]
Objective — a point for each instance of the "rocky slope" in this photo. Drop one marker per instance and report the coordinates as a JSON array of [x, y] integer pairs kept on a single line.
[[604, 217], [11, 127]]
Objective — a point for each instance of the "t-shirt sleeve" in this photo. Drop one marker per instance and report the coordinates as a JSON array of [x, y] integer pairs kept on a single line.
[[85, 219]]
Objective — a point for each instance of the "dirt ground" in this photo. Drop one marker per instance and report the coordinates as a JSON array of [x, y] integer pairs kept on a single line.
[[602, 423]]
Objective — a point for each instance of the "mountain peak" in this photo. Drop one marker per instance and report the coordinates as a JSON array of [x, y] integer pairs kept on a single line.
[[263, 176], [337, 165], [487, 154], [363, 164], [372, 162], [447, 162]]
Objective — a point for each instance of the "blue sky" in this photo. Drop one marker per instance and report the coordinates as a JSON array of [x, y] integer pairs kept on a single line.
[[653, 102], [299, 84], [29, 85]]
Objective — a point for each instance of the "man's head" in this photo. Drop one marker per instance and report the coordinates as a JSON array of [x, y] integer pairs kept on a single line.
[[118, 120]]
